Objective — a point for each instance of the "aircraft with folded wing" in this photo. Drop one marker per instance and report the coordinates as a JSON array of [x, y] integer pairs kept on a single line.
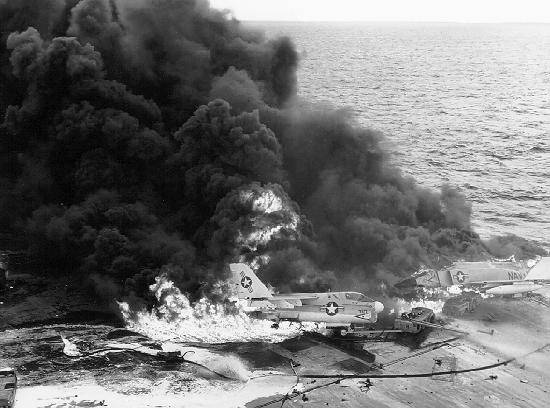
[[496, 278], [335, 309]]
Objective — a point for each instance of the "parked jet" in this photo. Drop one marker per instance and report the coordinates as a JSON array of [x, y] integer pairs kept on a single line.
[[497, 278], [336, 309]]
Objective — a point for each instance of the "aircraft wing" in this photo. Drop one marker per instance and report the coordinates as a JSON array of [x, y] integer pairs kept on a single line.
[[295, 296], [495, 282], [492, 284]]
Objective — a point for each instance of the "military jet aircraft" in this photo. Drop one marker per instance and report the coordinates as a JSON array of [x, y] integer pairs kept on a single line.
[[496, 278], [336, 309]]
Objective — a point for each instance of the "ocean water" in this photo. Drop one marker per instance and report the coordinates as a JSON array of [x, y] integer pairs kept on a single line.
[[465, 104]]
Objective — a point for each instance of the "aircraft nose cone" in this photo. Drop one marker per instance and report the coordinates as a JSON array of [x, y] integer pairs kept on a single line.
[[378, 307]]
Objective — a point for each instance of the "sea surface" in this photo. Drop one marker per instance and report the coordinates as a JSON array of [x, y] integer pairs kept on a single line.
[[464, 104]]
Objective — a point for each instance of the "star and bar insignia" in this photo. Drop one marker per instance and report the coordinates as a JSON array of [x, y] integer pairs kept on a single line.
[[332, 308], [460, 276], [246, 282]]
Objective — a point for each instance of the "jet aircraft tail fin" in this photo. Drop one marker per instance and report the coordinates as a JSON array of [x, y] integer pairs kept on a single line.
[[247, 284], [540, 271]]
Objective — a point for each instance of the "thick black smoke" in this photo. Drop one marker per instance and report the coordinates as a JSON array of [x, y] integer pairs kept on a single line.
[[149, 135]]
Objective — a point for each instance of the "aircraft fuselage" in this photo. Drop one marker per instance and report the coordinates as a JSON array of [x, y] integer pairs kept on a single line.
[[339, 309], [342, 308]]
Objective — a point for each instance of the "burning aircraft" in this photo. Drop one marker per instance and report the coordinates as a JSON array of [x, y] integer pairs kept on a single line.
[[496, 278], [335, 309]]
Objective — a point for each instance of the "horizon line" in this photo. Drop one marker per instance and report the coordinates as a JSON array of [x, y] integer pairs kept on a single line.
[[393, 21]]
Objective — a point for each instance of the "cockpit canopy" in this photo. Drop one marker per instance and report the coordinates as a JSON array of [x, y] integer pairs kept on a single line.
[[357, 297]]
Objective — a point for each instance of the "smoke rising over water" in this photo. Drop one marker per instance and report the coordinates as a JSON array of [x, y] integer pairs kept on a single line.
[[464, 104], [158, 136]]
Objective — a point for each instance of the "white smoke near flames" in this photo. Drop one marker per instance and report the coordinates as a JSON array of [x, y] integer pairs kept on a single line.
[[272, 216], [402, 305], [176, 319]]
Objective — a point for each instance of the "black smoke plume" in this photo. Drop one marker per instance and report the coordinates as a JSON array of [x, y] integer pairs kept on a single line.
[[149, 135]]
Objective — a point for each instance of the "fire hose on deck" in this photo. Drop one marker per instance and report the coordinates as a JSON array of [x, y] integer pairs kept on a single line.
[[337, 378]]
